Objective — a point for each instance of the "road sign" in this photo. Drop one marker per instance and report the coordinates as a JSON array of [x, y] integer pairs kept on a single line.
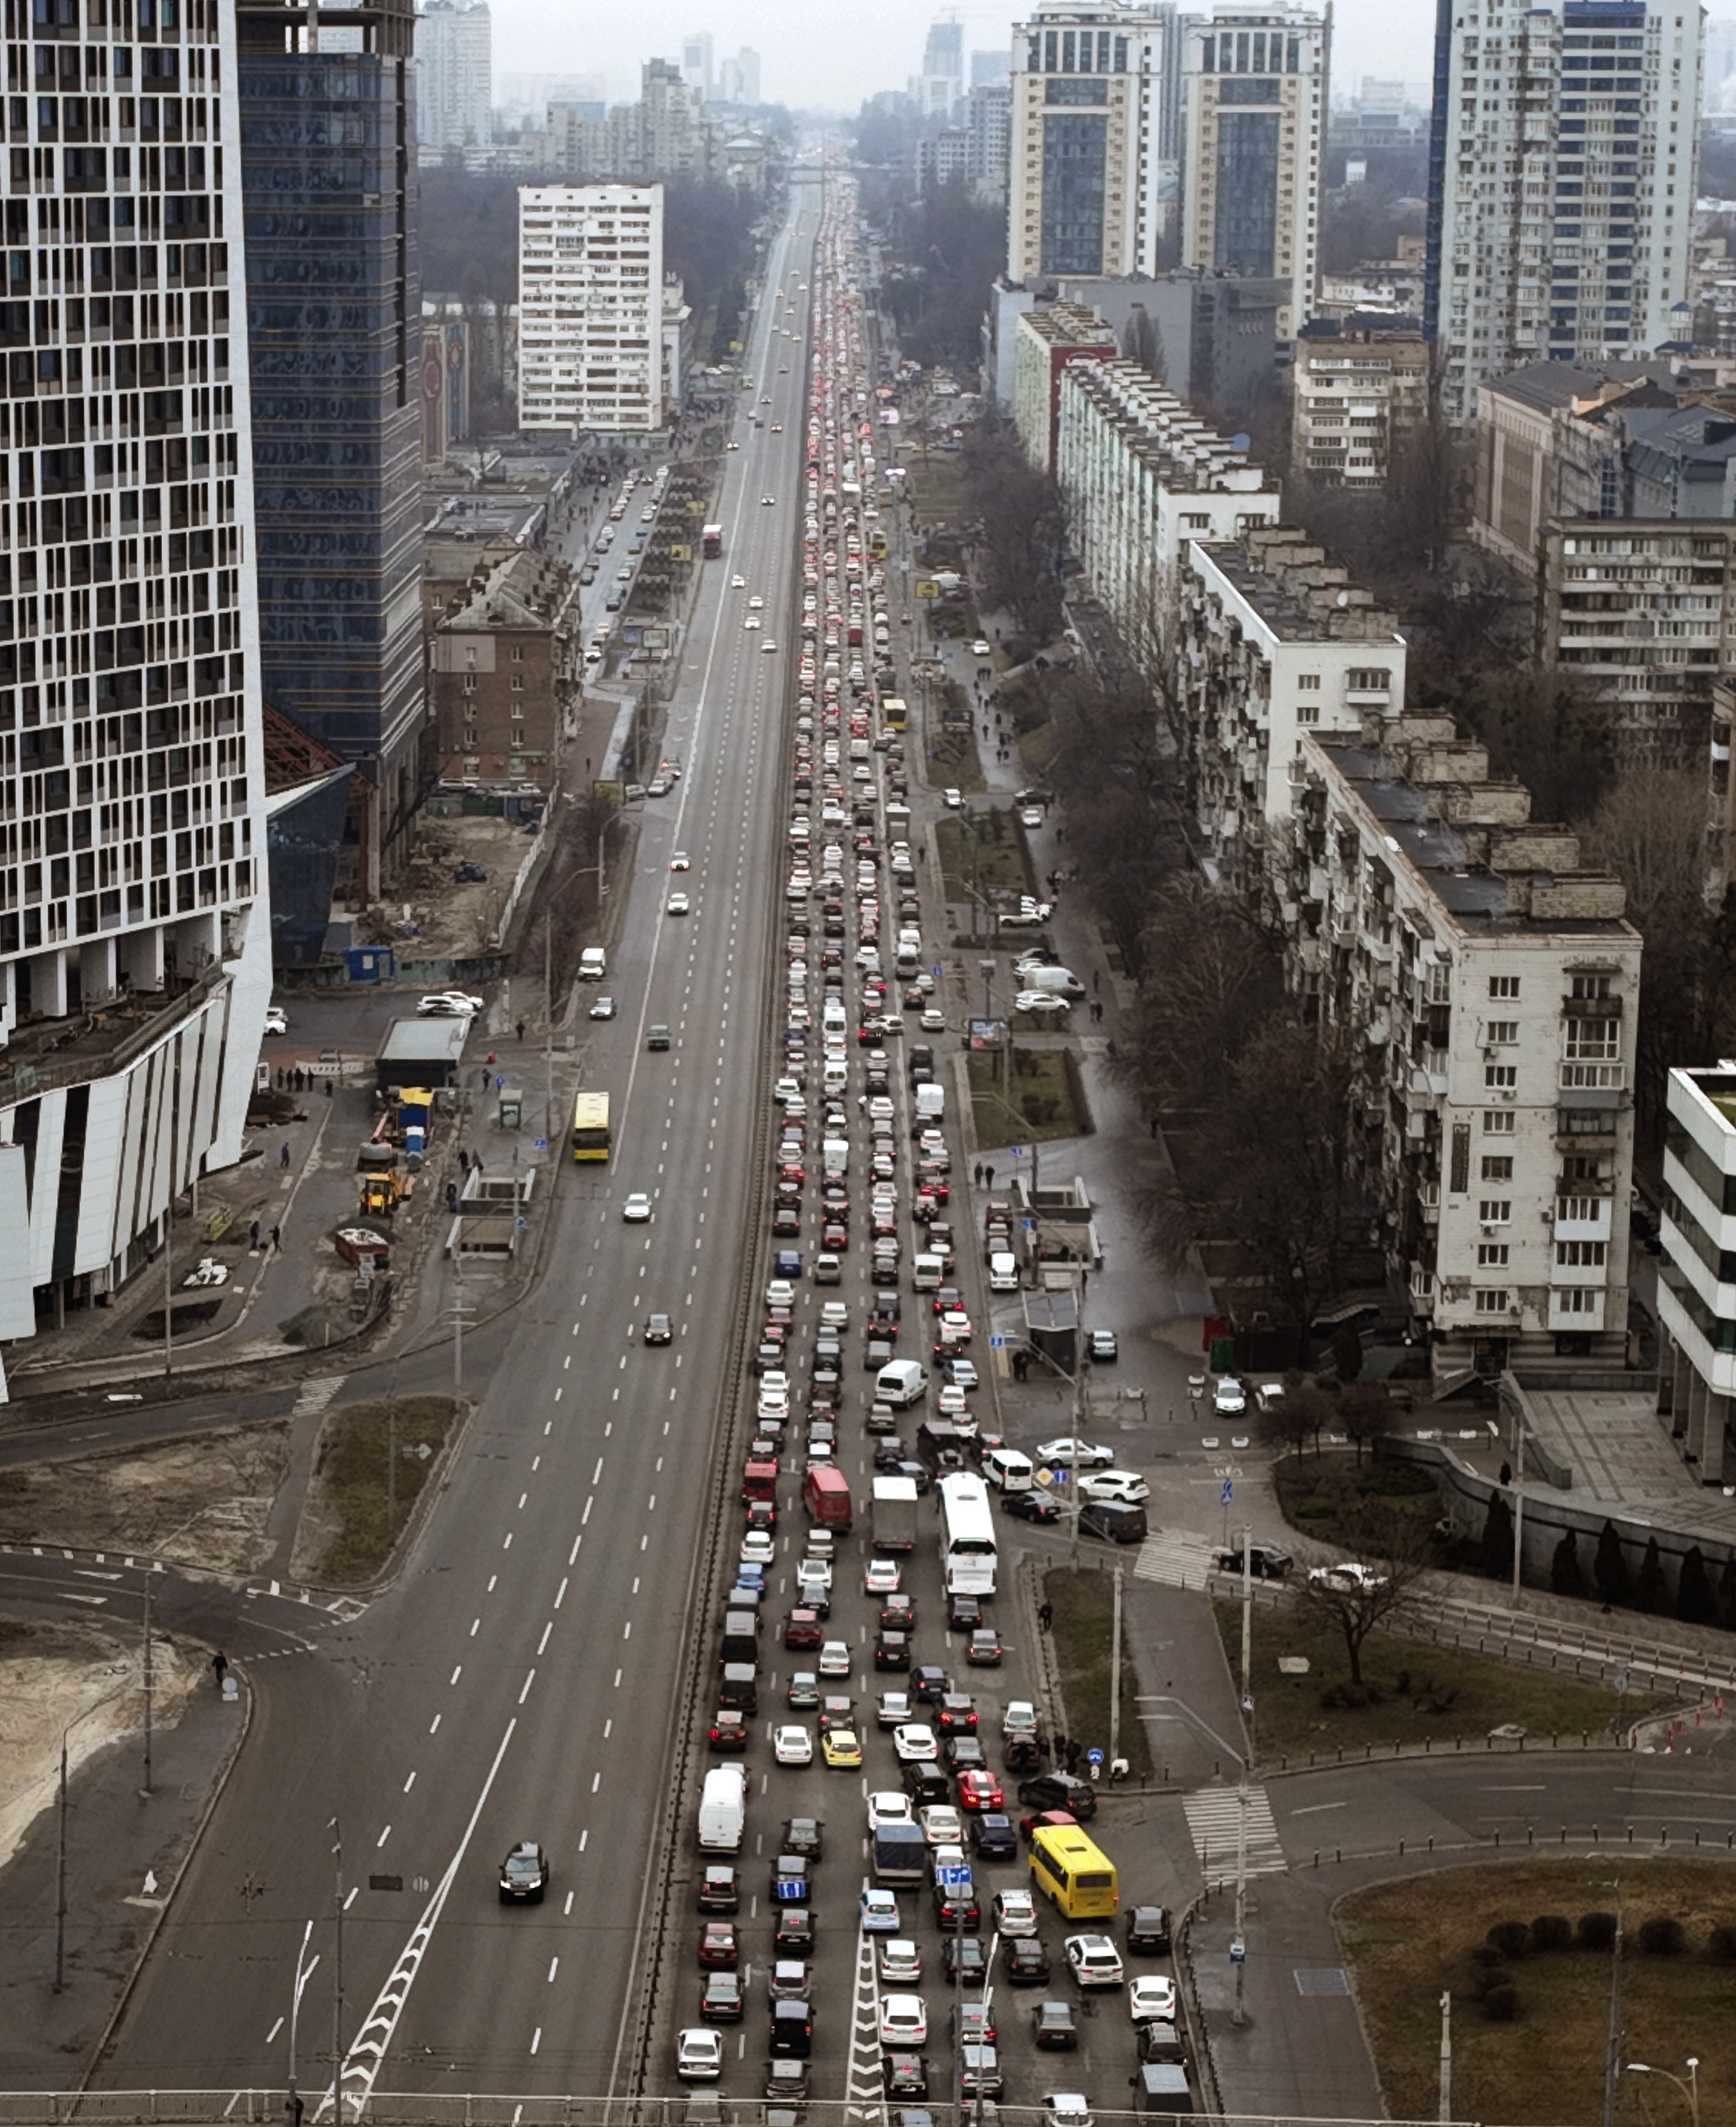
[[936, 971], [953, 1877], [996, 1343], [1060, 1477], [1015, 1152], [1229, 1492], [541, 1144], [1029, 1225], [1093, 1757]]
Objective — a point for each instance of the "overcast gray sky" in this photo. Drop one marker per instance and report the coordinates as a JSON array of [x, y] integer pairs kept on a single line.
[[833, 56]]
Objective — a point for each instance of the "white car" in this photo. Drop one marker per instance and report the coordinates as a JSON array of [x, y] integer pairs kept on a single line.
[[792, 1746], [680, 861], [1152, 1999], [951, 1402], [755, 603], [1347, 1577], [981, 649], [1094, 1960], [780, 1292], [941, 1824], [879, 1913], [753, 620], [814, 1572], [834, 1658], [738, 583], [953, 800], [889, 1806], [915, 1744], [759, 1547], [901, 1962], [1229, 1399], [767, 501], [448, 1004], [1078, 1454], [934, 1019], [774, 1404], [1015, 1913], [637, 1210], [892, 1709], [604, 1008], [277, 1020], [768, 649], [1067, 2108], [903, 2022], [1124, 1488], [1040, 1004], [1031, 817], [678, 904], [698, 2055]]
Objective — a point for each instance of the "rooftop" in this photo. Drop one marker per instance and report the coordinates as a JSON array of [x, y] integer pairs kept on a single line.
[[1297, 590]]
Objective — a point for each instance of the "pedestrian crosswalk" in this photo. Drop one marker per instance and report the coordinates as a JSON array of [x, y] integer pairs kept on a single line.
[[316, 1394], [1180, 1558], [1216, 1820]]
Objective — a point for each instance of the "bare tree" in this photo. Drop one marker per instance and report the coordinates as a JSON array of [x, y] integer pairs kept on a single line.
[[1220, 982], [1393, 1558], [1365, 1413]]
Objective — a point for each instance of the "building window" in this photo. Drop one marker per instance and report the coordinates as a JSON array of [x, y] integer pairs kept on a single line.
[[517, 683], [1503, 985], [1368, 679], [1591, 986], [1499, 1078], [1307, 712], [1490, 1300], [1494, 1211], [1497, 1168], [518, 653], [1594, 1040], [1500, 1122], [1492, 1255], [1577, 1300], [1195, 521], [1308, 679], [1580, 1211], [1501, 1033], [1581, 1255]]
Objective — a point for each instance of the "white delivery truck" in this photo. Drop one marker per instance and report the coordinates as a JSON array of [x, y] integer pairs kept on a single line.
[[931, 1104], [894, 1514], [723, 1811], [593, 964], [1055, 982]]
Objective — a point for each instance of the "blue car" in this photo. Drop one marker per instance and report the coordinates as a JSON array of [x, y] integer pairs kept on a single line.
[[787, 1262]]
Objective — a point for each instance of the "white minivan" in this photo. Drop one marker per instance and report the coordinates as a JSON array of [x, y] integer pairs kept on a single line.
[[901, 1384]]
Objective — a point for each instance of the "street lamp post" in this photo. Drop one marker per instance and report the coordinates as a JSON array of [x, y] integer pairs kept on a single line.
[[1690, 2088]]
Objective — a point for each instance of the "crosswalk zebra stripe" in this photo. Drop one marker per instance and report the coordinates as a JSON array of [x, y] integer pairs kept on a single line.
[[316, 1394], [1215, 1820], [1177, 1557]]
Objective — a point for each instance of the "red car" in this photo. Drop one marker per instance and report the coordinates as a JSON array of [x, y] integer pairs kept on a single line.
[[718, 1945], [977, 1790], [803, 1630], [834, 1238]]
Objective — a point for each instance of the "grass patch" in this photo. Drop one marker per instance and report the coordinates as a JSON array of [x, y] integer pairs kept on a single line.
[[1427, 1693], [1318, 1493], [955, 761], [1041, 1088], [1084, 1604], [1407, 1943], [370, 1472], [981, 853]]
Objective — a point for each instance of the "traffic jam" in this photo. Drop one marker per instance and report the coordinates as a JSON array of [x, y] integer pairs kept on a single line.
[[897, 1901]]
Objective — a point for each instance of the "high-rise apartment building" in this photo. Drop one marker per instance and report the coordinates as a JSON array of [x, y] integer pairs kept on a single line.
[[1085, 185], [590, 307], [697, 61], [454, 77], [943, 69], [1561, 183], [335, 322], [135, 944], [1254, 90], [738, 78], [675, 140]]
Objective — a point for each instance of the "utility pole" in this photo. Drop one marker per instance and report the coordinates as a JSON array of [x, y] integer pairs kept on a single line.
[[337, 1978], [1446, 2057], [1115, 1675], [148, 1681], [1612, 2064], [1239, 1944], [61, 1878]]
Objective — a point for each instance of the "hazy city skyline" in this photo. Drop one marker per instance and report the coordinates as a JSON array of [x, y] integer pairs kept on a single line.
[[806, 71]]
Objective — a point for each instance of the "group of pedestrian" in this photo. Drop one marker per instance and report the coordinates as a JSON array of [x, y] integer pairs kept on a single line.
[[1068, 1751], [1021, 1364], [276, 1237], [295, 1080], [1097, 1013]]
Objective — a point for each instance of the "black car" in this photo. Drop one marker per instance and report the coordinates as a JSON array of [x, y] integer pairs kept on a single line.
[[790, 1880], [929, 1686], [1114, 1523], [925, 1784], [720, 1888], [1026, 1962], [963, 1958], [964, 1613], [889, 1455], [956, 1906], [1054, 2027], [1031, 1506], [907, 2076], [892, 1651], [962, 1752], [802, 1835], [1059, 1791], [992, 1836], [525, 1874], [658, 1329], [792, 2028], [793, 1934], [1148, 1929], [721, 2001]]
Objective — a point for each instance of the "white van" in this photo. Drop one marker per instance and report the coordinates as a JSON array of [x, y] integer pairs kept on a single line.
[[1002, 1271], [901, 1384], [928, 1272], [723, 1811], [834, 1157], [1009, 1470], [931, 1102], [1055, 982], [593, 964]]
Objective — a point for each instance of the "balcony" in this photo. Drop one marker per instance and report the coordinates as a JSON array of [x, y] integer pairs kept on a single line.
[[1592, 1078]]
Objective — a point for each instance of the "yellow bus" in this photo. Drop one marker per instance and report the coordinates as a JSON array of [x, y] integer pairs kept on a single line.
[[877, 544], [893, 715], [1075, 1876], [590, 1126]]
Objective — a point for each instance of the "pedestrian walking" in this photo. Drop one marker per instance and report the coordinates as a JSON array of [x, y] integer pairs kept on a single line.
[[219, 1667], [988, 1177], [482, 1079], [491, 1059], [328, 1089], [1046, 1616], [1094, 982], [1074, 1753], [280, 1077], [1060, 1748], [277, 1238], [283, 1157], [976, 1174], [521, 1029], [255, 1230]]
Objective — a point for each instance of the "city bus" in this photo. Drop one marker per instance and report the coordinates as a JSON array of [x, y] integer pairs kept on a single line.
[[893, 715], [1075, 1875], [590, 1126], [968, 1558], [877, 544]]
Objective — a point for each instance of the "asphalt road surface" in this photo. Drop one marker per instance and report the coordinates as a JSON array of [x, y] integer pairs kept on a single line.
[[517, 1682]]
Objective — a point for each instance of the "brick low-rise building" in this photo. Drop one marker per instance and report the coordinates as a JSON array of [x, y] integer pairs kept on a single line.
[[1489, 982], [1045, 343], [506, 673]]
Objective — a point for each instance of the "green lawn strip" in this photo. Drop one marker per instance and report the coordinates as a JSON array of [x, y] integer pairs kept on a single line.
[[1408, 1942], [980, 853], [1039, 1087], [1426, 1693], [1316, 1491], [356, 1450], [1084, 1615], [954, 764]]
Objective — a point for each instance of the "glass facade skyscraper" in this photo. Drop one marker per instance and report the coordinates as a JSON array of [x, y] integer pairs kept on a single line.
[[334, 303]]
